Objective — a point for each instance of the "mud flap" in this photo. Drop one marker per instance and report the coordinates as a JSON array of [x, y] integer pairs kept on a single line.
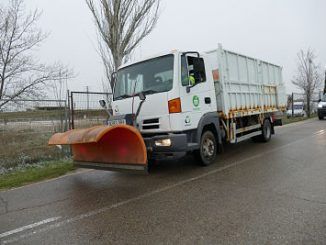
[[105, 147]]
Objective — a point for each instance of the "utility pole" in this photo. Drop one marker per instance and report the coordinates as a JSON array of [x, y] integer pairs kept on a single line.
[[292, 104]]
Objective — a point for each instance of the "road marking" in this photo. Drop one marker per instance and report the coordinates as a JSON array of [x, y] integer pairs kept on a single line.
[[320, 132], [27, 227], [151, 193]]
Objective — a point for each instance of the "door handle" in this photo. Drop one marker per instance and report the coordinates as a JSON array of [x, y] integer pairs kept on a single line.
[[207, 100]]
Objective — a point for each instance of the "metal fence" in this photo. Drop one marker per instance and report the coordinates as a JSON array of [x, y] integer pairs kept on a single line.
[[27, 125], [85, 110], [25, 128]]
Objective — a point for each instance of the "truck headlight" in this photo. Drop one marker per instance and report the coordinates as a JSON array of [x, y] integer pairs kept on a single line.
[[163, 142], [320, 105]]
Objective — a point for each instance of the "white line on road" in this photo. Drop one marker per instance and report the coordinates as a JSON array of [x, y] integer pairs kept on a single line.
[[320, 132], [151, 193], [27, 227]]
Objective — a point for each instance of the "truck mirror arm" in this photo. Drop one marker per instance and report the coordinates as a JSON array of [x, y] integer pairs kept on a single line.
[[188, 88], [106, 107], [142, 98]]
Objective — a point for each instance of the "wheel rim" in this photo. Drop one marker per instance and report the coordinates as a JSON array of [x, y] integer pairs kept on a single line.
[[208, 148]]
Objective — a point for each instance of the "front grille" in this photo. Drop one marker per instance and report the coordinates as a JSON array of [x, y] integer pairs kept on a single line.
[[150, 121], [151, 127], [153, 123]]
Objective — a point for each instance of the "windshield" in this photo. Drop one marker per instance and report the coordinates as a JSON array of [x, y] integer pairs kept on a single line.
[[297, 107], [151, 76]]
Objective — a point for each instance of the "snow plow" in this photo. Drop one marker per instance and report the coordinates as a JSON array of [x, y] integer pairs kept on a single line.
[[105, 147]]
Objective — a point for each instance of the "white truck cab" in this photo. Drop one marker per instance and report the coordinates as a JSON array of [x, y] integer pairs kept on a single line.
[[169, 107]]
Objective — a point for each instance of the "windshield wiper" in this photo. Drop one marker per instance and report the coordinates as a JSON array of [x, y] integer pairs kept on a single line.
[[149, 91], [123, 96]]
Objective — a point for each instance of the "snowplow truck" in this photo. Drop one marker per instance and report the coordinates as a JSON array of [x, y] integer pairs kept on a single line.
[[181, 102]]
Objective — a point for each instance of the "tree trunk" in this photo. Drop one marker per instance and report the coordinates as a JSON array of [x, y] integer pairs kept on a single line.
[[308, 105]]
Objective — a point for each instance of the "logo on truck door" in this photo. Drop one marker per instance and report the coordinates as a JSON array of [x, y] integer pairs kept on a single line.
[[195, 101]]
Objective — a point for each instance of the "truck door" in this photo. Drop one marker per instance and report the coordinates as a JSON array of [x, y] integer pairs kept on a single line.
[[197, 96]]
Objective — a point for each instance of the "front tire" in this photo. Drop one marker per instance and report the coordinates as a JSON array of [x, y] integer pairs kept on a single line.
[[320, 117], [206, 154]]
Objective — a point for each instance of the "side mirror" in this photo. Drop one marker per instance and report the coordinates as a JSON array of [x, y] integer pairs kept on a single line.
[[319, 100], [142, 96], [199, 68], [102, 103], [199, 65], [113, 77]]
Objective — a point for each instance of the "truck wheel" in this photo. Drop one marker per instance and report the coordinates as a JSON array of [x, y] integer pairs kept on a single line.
[[320, 117], [208, 148], [150, 164], [266, 131]]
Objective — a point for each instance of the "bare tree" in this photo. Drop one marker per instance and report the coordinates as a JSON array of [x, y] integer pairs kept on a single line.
[[21, 74], [122, 25], [308, 76]]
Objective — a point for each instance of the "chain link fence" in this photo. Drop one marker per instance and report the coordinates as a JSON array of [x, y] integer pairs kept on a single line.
[[86, 110], [27, 125], [25, 128]]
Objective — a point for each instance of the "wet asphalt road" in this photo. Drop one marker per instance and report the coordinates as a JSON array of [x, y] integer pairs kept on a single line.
[[255, 193]]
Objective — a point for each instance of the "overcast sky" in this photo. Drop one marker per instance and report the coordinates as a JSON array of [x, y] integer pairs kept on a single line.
[[273, 30]]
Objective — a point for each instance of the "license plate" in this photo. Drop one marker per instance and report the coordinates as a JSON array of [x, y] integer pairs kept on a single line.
[[116, 122]]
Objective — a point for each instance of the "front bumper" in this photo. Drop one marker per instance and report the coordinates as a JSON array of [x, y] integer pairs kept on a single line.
[[177, 149], [321, 112]]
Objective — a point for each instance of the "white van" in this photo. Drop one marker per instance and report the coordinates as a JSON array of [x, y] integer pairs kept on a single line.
[[298, 110]]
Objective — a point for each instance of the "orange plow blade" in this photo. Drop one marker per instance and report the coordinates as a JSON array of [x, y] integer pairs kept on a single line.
[[104, 147]]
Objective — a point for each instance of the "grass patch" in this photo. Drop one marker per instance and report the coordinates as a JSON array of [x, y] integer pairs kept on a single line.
[[34, 173], [28, 146], [286, 120]]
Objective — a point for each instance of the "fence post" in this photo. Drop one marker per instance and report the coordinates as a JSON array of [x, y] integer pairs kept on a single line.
[[66, 117], [87, 94], [72, 110], [68, 108]]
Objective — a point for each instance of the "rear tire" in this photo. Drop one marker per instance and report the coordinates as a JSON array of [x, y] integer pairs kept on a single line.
[[320, 117], [266, 132], [206, 154]]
